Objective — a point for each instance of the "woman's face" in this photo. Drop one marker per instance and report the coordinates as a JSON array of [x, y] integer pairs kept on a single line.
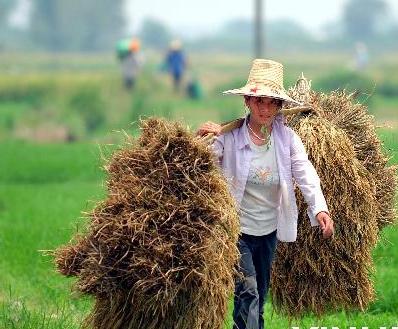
[[263, 109]]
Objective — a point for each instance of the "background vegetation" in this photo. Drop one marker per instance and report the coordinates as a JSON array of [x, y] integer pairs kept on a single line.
[[63, 105], [97, 24], [60, 113]]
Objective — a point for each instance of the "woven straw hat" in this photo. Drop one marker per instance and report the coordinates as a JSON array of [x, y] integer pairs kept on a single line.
[[265, 80], [175, 44]]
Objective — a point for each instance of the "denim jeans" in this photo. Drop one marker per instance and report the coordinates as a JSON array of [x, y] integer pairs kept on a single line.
[[251, 290]]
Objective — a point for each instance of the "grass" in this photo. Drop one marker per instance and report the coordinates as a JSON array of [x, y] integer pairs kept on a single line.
[[45, 163], [44, 187], [43, 190], [389, 137], [38, 217]]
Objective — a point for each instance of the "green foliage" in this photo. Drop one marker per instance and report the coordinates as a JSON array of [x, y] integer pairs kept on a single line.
[[10, 113], [349, 80], [232, 84], [390, 144], [139, 107], [361, 17], [38, 298], [361, 83], [5, 8], [75, 101], [26, 89], [155, 34], [233, 37], [44, 187], [294, 36], [58, 25], [388, 88], [88, 102], [61, 100], [85, 95], [26, 163], [16, 314]]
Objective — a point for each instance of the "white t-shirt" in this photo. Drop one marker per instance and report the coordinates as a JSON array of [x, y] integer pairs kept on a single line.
[[259, 206]]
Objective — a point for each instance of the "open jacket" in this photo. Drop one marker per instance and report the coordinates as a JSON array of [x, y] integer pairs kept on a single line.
[[234, 153]]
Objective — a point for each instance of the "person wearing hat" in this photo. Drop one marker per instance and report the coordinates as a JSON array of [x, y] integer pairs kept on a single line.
[[175, 63], [260, 157], [131, 63]]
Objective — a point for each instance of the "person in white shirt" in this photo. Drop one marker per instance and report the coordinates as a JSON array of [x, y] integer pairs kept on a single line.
[[261, 158]]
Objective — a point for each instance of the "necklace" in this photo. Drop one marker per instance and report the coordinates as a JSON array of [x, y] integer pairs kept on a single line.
[[266, 139]]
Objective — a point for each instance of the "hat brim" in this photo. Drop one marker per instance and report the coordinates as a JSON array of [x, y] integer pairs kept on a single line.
[[263, 92]]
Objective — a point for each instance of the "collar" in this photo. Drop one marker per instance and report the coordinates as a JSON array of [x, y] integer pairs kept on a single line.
[[243, 135]]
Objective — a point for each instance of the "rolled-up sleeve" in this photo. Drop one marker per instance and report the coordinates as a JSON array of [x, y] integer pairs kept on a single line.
[[307, 179]]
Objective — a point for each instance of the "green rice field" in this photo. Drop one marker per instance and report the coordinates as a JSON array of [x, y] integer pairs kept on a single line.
[[46, 183]]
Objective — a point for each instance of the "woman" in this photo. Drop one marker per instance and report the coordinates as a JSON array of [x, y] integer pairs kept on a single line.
[[260, 158]]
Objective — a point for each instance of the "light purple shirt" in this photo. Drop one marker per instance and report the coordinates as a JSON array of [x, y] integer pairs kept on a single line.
[[234, 153]]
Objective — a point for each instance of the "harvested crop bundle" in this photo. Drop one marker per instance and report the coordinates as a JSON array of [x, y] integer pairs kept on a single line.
[[160, 250], [353, 118], [316, 275]]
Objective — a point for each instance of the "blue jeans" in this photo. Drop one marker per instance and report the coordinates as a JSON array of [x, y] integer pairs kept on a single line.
[[251, 290]]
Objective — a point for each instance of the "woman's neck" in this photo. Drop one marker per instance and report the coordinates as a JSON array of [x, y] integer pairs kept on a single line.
[[257, 135], [256, 127]]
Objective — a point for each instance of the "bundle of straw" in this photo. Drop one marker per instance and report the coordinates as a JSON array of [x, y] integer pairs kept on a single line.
[[160, 250], [340, 109], [315, 275]]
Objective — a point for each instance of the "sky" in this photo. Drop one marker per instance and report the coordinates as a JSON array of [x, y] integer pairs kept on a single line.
[[204, 16]]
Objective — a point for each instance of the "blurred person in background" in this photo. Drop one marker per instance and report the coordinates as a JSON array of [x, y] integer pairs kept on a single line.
[[361, 56], [175, 63], [131, 61], [193, 87], [260, 157]]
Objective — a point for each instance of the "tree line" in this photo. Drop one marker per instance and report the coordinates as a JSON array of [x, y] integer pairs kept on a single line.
[[96, 25]]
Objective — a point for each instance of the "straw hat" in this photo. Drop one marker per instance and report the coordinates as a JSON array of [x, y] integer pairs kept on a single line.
[[265, 80], [175, 44]]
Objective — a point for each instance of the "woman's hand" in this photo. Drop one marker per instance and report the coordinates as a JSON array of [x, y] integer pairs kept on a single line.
[[326, 224], [209, 128]]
